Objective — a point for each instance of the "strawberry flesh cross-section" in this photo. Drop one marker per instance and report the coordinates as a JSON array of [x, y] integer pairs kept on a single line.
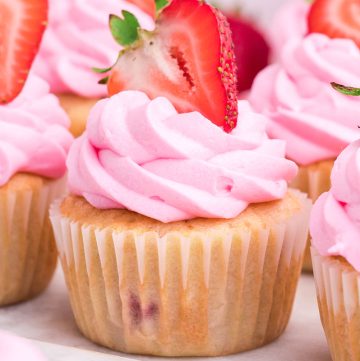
[[189, 59], [21, 28], [336, 19]]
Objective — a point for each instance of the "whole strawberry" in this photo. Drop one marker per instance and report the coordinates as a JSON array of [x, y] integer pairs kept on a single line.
[[251, 51], [188, 58]]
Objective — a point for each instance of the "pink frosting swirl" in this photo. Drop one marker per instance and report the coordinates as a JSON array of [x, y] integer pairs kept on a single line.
[[142, 155], [316, 121], [335, 220], [289, 24], [33, 133], [77, 39]]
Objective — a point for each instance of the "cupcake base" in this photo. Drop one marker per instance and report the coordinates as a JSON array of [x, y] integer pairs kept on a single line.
[[78, 109], [313, 180], [204, 287], [338, 293], [28, 253]]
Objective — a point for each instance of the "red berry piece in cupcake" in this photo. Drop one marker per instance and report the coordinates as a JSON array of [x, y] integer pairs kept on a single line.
[[188, 58], [251, 51], [336, 19], [21, 29]]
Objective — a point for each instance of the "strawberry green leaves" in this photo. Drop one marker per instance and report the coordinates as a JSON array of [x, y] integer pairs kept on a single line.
[[102, 70], [124, 30], [347, 90], [160, 4]]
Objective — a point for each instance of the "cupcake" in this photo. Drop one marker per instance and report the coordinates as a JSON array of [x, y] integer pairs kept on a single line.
[[33, 145], [178, 239], [179, 236], [14, 348], [335, 231], [78, 39], [316, 121]]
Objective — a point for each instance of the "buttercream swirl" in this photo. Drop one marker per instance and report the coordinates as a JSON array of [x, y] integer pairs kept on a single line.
[[316, 121], [335, 220], [33, 133], [77, 39], [289, 24], [142, 155]]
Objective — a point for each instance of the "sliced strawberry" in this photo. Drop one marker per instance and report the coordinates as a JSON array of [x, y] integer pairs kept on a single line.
[[21, 28], [251, 51], [336, 19], [147, 6], [189, 59]]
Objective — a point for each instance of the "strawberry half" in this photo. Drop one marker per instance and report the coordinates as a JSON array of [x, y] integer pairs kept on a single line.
[[147, 6], [21, 28], [251, 51], [189, 59], [336, 19]]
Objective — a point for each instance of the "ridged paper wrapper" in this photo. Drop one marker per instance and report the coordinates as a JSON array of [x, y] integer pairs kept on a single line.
[[338, 293], [313, 179], [203, 288], [28, 253]]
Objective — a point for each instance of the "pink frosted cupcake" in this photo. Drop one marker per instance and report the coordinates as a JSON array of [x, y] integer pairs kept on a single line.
[[179, 239], [34, 141], [316, 121], [14, 348], [335, 231], [76, 40]]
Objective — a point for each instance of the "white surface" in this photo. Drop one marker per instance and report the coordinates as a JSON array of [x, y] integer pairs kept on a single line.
[[48, 319]]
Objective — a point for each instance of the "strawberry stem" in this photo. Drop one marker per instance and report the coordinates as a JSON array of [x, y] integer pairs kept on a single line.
[[347, 90]]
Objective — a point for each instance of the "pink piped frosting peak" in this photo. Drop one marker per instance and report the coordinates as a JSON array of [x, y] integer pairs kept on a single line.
[[335, 220], [77, 39], [316, 121], [289, 24], [142, 155], [34, 134]]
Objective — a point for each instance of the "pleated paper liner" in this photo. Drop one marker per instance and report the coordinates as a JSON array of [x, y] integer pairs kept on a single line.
[[338, 293], [27, 248], [207, 291], [314, 180]]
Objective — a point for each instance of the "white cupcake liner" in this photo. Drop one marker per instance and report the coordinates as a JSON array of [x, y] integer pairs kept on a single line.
[[27, 248], [314, 180], [175, 295], [338, 293]]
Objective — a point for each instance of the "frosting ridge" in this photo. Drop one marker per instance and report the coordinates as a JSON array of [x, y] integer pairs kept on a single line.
[[289, 24], [77, 39], [33, 133], [144, 156], [316, 121], [335, 220]]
